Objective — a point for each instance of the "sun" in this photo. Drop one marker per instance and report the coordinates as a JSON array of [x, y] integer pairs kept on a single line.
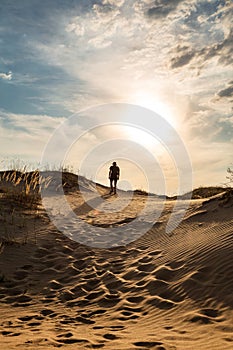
[[147, 100], [142, 137]]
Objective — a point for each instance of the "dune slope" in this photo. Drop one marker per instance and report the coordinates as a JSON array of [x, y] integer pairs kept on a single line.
[[159, 292]]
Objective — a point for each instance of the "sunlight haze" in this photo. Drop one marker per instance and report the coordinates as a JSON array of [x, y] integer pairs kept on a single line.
[[59, 58]]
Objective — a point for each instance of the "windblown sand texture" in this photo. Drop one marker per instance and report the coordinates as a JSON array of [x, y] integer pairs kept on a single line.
[[162, 291]]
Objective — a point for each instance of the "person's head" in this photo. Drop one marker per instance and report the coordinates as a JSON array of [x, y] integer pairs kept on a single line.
[[114, 163]]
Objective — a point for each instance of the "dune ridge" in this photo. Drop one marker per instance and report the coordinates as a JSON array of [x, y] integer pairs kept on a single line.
[[161, 291]]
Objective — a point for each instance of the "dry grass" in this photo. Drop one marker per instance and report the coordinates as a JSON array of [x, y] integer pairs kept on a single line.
[[22, 188], [206, 192], [20, 203]]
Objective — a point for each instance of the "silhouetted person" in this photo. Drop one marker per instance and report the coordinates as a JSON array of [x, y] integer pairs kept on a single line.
[[114, 174]]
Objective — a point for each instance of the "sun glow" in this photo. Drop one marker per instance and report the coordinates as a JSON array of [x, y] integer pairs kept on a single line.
[[142, 137], [147, 100]]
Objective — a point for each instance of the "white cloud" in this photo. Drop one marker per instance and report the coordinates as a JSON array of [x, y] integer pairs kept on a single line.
[[31, 124], [174, 56], [117, 3], [25, 136], [77, 28], [118, 54], [6, 76]]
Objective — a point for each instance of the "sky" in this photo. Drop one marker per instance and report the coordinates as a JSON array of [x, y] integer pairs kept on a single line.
[[60, 59]]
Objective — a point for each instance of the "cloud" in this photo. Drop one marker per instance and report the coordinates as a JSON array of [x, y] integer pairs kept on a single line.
[[6, 76], [25, 126], [178, 53], [25, 136], [117, 3], [223, 50], [182, 57], [97, 28], [227, 92], [207, 126], [162, 8], [204, 29], [115, 54]]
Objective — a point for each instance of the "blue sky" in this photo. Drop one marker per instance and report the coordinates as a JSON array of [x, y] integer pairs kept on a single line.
[[174, 57]]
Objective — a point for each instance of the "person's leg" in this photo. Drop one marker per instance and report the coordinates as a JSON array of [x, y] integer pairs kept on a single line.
[[111, 187], [115, 183]]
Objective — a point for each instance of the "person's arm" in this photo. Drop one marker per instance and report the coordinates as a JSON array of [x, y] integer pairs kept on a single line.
[[118, 173], [109, 174]]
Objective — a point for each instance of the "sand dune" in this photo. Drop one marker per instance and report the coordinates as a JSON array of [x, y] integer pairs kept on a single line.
[[161, 291]]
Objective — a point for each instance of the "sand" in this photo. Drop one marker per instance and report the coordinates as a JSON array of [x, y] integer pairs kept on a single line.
[[161, 291]]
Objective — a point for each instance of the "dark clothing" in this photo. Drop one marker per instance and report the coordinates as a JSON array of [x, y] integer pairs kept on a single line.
[[113, 183], [114, 173]]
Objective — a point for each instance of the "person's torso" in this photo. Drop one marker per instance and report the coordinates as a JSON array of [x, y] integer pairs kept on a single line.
[[114, 171]]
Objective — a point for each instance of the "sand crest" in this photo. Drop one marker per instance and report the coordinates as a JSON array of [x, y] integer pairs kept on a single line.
[[161, 291]]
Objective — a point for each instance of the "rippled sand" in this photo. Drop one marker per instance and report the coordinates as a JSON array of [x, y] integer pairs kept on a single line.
[[161, 291]]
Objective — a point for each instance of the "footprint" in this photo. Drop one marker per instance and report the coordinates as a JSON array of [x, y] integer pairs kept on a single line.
[[46, 312], [141, 283], [155, 253], [66, 335], [176, 264], [210, 312], [142, 248], [23, 299], [78, 291], [117, 328], [97, 346], [97, 312], [133, 309], [72, 341], [126, 313], [94, 295], [34, 324], [110, 336], [146, 267], [134, 275], [40, 318], [145, 260], [106, 302], [205, 316], [147, 344], [228, 339], [200, 319], [26, 318], [115, 285], [165, 274], [14, 334], [84, 320], [133, 252], [54, 285], [66, 296], [135, 300], [6, 333], [156, 286]]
